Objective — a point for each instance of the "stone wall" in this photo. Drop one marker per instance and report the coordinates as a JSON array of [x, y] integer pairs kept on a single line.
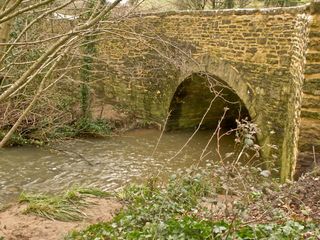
[[309, 141], [298, 50], [259, 54]]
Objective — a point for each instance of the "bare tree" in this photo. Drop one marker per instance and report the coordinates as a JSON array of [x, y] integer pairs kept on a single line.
[[191, 4], [30, 55]]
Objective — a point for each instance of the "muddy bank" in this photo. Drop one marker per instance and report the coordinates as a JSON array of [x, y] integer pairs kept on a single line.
[[14, 225]]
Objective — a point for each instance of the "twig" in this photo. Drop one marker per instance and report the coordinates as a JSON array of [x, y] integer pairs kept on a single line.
[[160, 137], [197, 129], [213, 134], [72, 152]]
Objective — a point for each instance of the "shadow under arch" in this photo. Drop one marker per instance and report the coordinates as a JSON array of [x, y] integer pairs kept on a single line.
[[203, 99]]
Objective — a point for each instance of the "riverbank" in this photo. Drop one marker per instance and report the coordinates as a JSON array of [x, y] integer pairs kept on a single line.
[[193, 204], [102, 122], [18, 223]]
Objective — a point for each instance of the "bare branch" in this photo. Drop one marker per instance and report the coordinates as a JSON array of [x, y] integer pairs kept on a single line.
[[30, 25], [5, 18], [10, 9], [40, 61]]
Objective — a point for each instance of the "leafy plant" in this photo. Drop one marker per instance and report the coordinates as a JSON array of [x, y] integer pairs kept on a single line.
[[150, 207], [19, 139], [171, 211], [84, 127]]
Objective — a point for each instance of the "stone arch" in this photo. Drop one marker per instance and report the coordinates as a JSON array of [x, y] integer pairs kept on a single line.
[[224, 76], [223, 72], [201, 99]]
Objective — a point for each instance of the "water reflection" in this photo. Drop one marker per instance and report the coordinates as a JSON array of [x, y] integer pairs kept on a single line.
[[106, 163]]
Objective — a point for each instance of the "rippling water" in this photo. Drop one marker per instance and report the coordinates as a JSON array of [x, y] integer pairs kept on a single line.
[[106, 163]]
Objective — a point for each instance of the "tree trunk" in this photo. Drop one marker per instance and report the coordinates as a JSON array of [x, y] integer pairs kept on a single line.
[[213, 4], [4, 35], [229, 4]]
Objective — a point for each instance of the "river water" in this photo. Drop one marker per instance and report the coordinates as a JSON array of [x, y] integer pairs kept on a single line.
[[106, 163]]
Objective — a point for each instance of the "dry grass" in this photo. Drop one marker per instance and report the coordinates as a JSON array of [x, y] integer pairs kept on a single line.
[[66, 207]]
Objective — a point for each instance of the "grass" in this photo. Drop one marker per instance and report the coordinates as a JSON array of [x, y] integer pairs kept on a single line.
[[66, 207], [150, 206]]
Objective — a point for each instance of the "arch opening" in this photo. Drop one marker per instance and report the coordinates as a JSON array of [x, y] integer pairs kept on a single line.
[[202, 100]]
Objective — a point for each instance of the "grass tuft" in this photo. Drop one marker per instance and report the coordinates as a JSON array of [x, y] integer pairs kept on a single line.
[[66, 207]]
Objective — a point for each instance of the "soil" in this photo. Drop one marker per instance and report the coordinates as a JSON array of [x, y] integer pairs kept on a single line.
[[14, 225]]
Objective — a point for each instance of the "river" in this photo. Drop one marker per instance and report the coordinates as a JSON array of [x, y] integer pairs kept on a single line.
[[107, 163]]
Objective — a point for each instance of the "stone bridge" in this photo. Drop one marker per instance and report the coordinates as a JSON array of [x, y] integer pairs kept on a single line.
[[265, 65]]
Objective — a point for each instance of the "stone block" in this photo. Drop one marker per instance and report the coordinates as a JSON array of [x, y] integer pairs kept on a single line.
[[311, 114], [315, 7], [312, 68], [313, 57]]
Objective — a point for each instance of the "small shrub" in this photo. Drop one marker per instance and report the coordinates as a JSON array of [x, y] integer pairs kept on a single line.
[[84, 127]]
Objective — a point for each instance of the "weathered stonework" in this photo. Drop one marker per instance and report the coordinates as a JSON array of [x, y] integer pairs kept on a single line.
[[259, 54], [309, 140]]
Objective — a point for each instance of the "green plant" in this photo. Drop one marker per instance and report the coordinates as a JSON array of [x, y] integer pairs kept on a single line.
[[20, 139], [80, 192], [83, 127], [172, 211], [151, 206], [283, 3], [58, 208]]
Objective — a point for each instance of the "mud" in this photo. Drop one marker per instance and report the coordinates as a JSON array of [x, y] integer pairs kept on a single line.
[[14, 225]]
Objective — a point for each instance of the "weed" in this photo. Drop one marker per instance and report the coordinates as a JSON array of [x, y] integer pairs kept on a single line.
[[99, 127], [83, 127], [79, 192], [20, 139]]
